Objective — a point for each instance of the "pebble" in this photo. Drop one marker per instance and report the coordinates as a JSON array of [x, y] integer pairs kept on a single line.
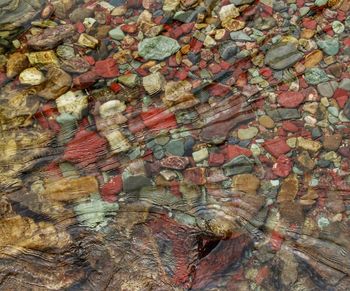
[[200, 155], [289, 189], [266, 121], [290, 99], [31, 76], [314, 76], [282, 55], [158, 48], [116, 33], [247, 183], [175, 147], [327, 89], [153, 83], [330, 46], [247, 133]]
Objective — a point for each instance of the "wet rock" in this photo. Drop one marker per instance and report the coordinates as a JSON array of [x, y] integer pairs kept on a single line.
[[282, 167], [153, 83], [305, 161], [43, 58], [67, 189], [247, 183], [266, 121], [238, 165], [282, 55], [290, 99], [174, 162], [73, 103], [289, 189], [79, 14], [345, 84], [200, 155], [135, 183], [313, 58], [31, 76], [332, 142], [327, 89], [86, 40], [51, 37], [117, 141], [116, 33], [178, 95], [129, 80], [330, 46], [309, 145], [158, 48], [16, 63], [276, 147], [175, 147], [315, 76], [247, 133], [75, 65], [196, 176]]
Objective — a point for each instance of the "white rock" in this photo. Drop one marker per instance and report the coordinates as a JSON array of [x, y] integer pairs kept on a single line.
[[110, 108], [200, 155], [72, 102], [117, 141], [153, 83], [31, 76]]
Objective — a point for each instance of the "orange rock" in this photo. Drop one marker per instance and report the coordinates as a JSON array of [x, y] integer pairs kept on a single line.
[[313, 58]]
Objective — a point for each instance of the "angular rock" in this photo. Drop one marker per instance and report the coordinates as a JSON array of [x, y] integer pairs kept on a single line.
[[158, 48], [247, 183], [31, 76], [282, 55], [289, 189], [73, 103], [16, 63]]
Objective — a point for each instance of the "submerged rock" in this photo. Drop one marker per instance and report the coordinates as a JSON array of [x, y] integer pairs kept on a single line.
[[283, 55], [158, 48]]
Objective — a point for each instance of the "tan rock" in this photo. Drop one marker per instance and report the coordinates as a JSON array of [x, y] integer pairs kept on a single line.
[[309, 145], [228, 12], [247, 183], [72, 102], [153, 83], [43, 58], [16, 63], [170, 5], [117, 141], [66, 189], [87, 41], [233, 24], [313, 58], [266, 121], [178, 95], [31, 76], [289, 189]]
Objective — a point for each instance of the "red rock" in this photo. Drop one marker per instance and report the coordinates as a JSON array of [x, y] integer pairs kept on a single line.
[[115, 87], [266, 72], [341, 96], [136, 125], [219, 89], [282, 167], [276, 240], [290, 126], [196, 45], [225, 65], [276, 147], [195, 176], [262, 275], [89, 59], [290, 99], [159, 118], [214, 68], [107, 68], [134, 3], [175, 162], [176, 32], [182, 74], [216, 159], [129, 28], [112, 188], [85, 148], [346, 41], [79, 26], [310, 94], [85, 80], [233, 151], [309, 23], [172, 61]]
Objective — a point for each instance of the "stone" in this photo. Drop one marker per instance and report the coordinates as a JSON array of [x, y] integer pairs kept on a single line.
[[238, 165], [175, 147], [247, 133], [153, 83], [290, 99], [200, 155], [117, 141], [51, 37], [314, 76], [312, 59], [282, 167], [228, 12], [308, 145], [107, 68], [240, 36], [58, 83], [305, 161], [31, 76], [170, 5], [67, 189], [241, 2], [110, 108], [135, 183], [345, 84], [327, 89], [178, 95], [116, 33], [332, 142], [282, 55], [228, 50], [196, 176], [266, 121], [86, 40], [73, 103], [247, 183], [16, 63], [289, 189], [330, 46], [79, 14], [158, 48], [75, 64], [43, 58], [129, 80], [175, 162], [276, 147]]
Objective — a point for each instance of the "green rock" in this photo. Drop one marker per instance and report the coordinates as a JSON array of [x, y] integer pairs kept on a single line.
[[175, 147], [321, 2], [94, 212], [129, 80], [158, 48], [116, 33], [330, 46], [314, 76], [135, 183], [283, 55], [240, 36]]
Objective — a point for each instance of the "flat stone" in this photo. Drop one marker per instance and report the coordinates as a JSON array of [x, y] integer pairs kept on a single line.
[[247, 183], [312, 59], [158, 48], [283, 55], [240, 36], [314, 76], [247, 133], [135, 183], [238, 165], [117, 141], [345, 84], [308, 144], [332, 142], [116, 33], [228, 50], [73, 103], [129, 80], [241, 2], [290, 99], [31, 76], [175, 147], [16, 63], [266, 121], [200, 155], [289, 189], [79, 14], [327, 89], [153, 83]]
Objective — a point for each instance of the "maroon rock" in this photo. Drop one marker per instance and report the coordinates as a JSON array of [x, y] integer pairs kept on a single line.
[[282, 167], [195, 176], [276, 147], [112, 188], [290, 99], [107, 68], [233, 151], [216, 159], [174, 162]]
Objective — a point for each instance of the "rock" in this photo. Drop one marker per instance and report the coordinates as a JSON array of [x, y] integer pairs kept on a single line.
[[116, 33], [195, 176], [16, 63], [228, 50], [178, 95], [266, 121], [247, 183], [289, 189], [87, 41], [290, 99], [314, 76], [175, 147], [200, 155], [79, 14], [31, 76], [345, 84], [238, 165], [330, 46], [309, 145], [332, 142], [327, 89], [174, 162], [158, 48], [276, 147], [110, 108], [240, 36], [73, 103], [305, 161], [67, 189], [228, 12], [312, 59], [282, 167], [241, 2], [247, 133], [51, 37], [117, 141], [282, 55], [107, 68], [129, 80], [58, 83], [43, 58], [135, 183], [65, 52], [153, 83], [75, 65], [170, 5]]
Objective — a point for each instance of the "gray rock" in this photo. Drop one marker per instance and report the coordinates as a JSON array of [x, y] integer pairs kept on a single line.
[[240, 36], [345, 84], [283, 55], [135, 183], [330, 46], [228, 50], [327, 89], [175, 147], [346, 110], [241, 2], [79, 14], [158, 48]]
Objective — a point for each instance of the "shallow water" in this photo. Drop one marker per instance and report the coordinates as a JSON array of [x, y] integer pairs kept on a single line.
[[174, 145]]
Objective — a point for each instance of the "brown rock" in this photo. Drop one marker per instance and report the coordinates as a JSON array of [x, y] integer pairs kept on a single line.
[[289, 189], [16, 63], [246, 183], [69, 189], [313, 58], [266, 121], [332, 142], [305, 161]]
